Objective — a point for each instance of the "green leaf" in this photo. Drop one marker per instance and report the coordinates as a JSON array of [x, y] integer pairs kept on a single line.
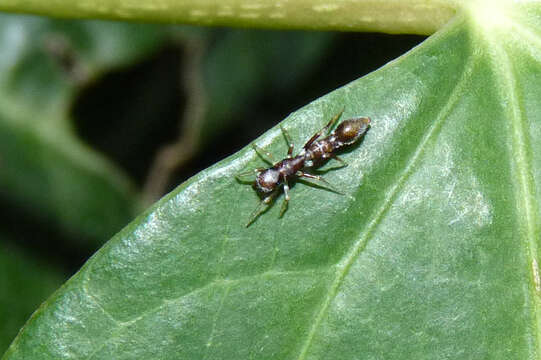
[[395, 16], [432, 252], [260, 61], [24, 284], [43, 165]]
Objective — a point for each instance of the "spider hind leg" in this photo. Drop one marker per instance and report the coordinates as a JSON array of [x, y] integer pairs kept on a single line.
[[318, 180]]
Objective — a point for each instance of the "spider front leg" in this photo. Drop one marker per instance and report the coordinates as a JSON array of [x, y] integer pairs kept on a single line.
[[248, 176], [261, 208], [265, 155], [285, 203], [290, 145]]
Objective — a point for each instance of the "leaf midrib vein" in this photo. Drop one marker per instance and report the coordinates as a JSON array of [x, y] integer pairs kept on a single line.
[[525, 187], [351, 255]]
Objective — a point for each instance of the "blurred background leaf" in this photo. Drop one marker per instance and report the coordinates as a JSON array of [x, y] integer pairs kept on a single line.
[[44, 167], [25, 281]]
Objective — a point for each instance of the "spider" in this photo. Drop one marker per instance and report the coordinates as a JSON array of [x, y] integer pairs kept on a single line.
[[315, 153]]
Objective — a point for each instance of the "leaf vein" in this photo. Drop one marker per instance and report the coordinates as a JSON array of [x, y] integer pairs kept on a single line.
[[228, 283], [525, 189], [352, 254], [215, 321]]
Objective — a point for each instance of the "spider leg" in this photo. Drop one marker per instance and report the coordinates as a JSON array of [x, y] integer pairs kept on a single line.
[[289, 142], [243, 176], [285, 203], [325, 129], [261, 208], [342, 162], [320, 181], [265, 155]]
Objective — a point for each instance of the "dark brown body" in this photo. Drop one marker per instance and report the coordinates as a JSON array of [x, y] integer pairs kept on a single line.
[[314, 153], [268, 180], [347, 133]]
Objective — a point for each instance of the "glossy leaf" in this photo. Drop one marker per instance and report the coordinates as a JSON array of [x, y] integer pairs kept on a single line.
[[432, 252]]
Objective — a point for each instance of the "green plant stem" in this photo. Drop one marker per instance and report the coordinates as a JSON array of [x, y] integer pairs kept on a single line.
[[392, 16]]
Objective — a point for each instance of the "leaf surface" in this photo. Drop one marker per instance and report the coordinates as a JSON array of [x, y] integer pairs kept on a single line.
[[432, 252]]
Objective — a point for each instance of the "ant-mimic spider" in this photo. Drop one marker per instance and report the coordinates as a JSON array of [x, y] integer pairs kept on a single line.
[[314, 154]]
